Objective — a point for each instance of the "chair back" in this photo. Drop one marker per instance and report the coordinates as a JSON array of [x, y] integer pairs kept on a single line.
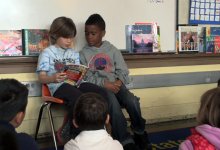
[[46, 95], [45, 90]]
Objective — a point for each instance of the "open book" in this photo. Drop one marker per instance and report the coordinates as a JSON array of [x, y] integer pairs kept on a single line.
[[74, 72]]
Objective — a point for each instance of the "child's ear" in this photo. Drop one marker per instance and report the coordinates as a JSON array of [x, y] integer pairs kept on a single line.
[[75, 124], [107, 119], [103, 33], [17, 120]]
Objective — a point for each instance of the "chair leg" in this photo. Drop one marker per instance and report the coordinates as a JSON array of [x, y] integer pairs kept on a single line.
[[52, 124], [39, 119]]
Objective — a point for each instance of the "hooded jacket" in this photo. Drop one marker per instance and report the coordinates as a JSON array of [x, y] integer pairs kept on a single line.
[[211, 134], [105, 63]]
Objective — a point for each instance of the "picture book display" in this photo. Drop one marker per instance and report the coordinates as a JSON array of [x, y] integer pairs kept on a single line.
[[10, 43], [188, 39], [74, 72], [34, 41]]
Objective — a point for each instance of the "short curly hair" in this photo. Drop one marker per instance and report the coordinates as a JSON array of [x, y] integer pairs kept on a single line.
[[96, 19]]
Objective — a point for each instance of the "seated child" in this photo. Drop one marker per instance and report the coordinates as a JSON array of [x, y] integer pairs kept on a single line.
[[51, 71], [206, 136], [13, 102], [90, 115], [108, 69]]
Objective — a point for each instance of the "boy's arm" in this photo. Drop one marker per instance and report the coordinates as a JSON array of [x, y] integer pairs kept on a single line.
[[121, 69], [55, 78]]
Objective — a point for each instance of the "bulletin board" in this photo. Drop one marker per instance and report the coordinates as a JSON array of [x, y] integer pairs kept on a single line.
[[204, 12]]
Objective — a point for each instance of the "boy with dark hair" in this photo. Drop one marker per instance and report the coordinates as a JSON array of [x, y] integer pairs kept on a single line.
[[108, 69], [13, 102], [90, 115]]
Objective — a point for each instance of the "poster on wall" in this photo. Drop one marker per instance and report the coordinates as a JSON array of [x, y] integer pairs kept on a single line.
[[204, 12]]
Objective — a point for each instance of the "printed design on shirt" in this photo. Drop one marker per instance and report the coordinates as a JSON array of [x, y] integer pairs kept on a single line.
[[65, 61], [101, 61], [60, 65]]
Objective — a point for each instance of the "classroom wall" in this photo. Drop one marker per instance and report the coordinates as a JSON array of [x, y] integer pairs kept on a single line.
[[158, 104], [20, 14]]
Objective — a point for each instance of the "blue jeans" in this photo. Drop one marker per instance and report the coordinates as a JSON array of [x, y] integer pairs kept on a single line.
[[124, 98]]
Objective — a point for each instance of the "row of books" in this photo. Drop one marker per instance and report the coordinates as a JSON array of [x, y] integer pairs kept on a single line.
[[203, 39], [23, 42], [142, 37]]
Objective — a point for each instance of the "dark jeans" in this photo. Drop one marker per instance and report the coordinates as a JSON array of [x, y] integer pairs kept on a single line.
[[70, 94], [118, 121]]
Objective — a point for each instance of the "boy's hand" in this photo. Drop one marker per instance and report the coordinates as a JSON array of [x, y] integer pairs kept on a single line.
[[112, 86], [118, 83], [59, 77]]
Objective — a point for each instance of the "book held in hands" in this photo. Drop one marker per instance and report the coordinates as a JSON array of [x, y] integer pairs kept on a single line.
[[75, 73]]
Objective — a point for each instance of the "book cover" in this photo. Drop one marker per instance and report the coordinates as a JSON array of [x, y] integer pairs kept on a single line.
[[132, 32], [212, 39], [10, 43], [142, 38], [188, 39], [142, 43], [217, 44], [34, 41], [155, 31], [74, 72]]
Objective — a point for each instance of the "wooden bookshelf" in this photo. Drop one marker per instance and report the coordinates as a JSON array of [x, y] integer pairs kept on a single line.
[[28, 64]]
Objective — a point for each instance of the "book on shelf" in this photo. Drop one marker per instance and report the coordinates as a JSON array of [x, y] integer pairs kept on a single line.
[[202, 39], [155, 31], [212, 39], [10, 43], [188, 39], [75, 73], [34, 41], [177, 41], [139, 38]]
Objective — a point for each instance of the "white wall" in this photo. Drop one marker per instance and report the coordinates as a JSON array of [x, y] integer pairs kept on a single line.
[[18, 14], [183, 16]]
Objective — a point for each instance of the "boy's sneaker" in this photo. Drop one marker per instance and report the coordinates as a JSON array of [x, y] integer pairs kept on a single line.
[[63, 133], [142, 141]]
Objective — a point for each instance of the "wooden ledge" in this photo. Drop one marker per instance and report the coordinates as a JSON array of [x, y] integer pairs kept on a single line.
[[28, 64]]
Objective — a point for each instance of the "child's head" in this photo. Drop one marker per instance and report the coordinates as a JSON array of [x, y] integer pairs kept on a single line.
[[94, 30], [62, 32], [90, 112], [209, 111], [13, 101]]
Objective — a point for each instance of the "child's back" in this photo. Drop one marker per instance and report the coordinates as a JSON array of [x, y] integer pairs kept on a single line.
[[207, 134], [13, 102], [90, 116]]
